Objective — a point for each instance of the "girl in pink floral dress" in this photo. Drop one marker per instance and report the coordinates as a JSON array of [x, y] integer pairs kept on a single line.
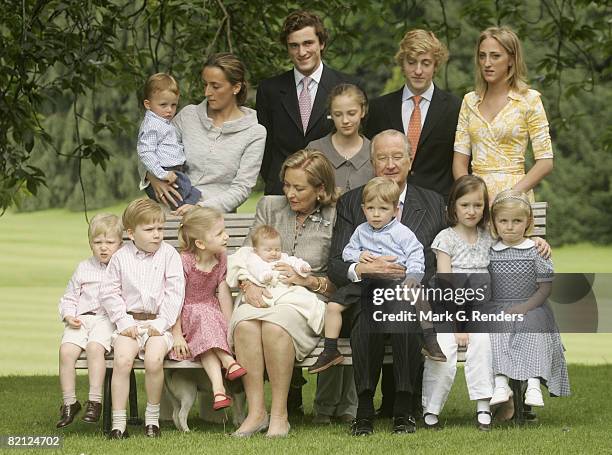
[[201, 331]]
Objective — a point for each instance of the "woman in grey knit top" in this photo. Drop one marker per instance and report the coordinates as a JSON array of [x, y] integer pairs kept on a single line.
[[223, 141]]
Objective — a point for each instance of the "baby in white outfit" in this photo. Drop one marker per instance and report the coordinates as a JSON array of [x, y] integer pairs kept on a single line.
[[267, 253]]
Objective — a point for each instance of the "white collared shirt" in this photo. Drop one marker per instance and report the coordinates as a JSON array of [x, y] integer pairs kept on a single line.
[[313, 85], [524, 245], [408, 105], [352, 275]]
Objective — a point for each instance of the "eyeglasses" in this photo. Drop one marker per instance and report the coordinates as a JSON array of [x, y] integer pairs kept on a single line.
[[395, 159]]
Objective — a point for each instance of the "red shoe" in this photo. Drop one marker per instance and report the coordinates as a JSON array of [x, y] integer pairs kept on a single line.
[[221, 404], [237, 373]]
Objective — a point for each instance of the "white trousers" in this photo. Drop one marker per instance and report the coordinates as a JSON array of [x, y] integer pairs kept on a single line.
[[438, 377]]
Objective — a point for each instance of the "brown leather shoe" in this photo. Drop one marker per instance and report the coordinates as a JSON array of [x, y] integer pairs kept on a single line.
[[328, 358], [67, 414], [432, 349], [93, 409], [117, 434], [152, 431]]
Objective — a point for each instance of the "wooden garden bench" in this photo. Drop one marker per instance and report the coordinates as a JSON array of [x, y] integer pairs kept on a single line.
[[237, 227]]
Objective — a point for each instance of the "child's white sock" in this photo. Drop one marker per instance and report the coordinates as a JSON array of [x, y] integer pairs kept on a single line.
[[152, 414], [533, 382], [119, 420], [97, 397], [501, 381], [431, 419], [483, 405], [69, 397]]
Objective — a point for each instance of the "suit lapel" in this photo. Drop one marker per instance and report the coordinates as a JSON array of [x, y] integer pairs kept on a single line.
[[434, 113], [288, 94], [413, 212], [395, 111]]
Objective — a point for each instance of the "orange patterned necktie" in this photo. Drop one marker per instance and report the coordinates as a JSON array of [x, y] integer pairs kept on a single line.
[[414, 125]]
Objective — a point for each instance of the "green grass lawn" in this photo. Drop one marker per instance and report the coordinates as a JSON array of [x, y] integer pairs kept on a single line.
[[40, 251]]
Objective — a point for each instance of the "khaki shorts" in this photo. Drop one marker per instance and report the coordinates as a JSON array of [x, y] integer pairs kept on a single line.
[[94, 328], [143, 337]]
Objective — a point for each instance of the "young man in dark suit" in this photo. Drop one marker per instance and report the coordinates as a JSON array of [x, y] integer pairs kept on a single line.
[[423, 211], [434, 115], [295, 113]]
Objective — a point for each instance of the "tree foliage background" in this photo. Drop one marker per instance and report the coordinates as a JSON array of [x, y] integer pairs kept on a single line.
[[71, 73]]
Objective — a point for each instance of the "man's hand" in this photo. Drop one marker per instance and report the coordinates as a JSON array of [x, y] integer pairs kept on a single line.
[[383, 266]]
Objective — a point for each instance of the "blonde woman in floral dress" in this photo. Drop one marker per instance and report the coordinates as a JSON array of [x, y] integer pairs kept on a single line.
[[498, 119]]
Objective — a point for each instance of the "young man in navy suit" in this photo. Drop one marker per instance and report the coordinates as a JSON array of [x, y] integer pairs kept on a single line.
[[293, 113]]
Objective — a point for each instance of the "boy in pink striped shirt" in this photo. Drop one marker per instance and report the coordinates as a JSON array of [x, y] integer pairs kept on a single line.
[[87, 324], [142, 292]]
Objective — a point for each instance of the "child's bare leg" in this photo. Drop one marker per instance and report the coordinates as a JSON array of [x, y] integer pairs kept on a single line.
[[227, 360], [97, 369], [125, 349], [68, 355], [212, 365], [333, 319], [155, 351], [330, 355]]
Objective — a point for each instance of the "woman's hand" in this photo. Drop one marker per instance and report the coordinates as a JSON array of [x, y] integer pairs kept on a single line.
[[166, 194], [180, 347], [253, 295], [288, 275], [542, 246]]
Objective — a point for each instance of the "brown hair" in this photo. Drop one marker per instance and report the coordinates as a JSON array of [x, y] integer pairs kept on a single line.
[[158, 83], [105, 224], [302, 19], [319, 172], [420, 41], [348, 89], [263, 232], [196, 223], [462, 186], [517, 72], [233, 69], [511, 200], [382, 188], [142, 211]]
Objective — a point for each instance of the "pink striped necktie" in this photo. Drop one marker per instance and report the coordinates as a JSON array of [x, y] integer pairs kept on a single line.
[[305, 104], [400, 206]]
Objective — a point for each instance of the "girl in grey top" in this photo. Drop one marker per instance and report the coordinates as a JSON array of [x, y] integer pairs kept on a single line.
[[348, 151]]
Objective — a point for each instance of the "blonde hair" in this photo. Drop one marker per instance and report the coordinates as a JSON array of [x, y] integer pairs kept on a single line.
[[158, 83], [512, 201], [142, 211], [196, 223], [382, 188], [263, 232], [319, 173], [105, 224], [418, 41], [517, 72], [349, 90]]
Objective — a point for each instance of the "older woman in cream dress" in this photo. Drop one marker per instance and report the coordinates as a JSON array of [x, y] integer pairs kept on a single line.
[[497, 120], [272, 338]]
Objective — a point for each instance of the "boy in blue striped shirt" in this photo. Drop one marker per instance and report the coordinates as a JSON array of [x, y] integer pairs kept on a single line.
[[159, 146]]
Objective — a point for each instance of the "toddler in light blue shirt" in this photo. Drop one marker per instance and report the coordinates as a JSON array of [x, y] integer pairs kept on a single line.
[[382, 235], [159, 147]]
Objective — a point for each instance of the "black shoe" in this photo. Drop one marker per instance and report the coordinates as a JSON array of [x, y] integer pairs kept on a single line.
[[384, 412], [294, 402], [436, 426], [403, 425], [67, 414], [484, 426], [152, 431], [362, 427], [93, 409], [431, 348], [327, 358], [117, 434]]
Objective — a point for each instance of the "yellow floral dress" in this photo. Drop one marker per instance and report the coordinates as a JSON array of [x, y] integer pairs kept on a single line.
[[498, 148]]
